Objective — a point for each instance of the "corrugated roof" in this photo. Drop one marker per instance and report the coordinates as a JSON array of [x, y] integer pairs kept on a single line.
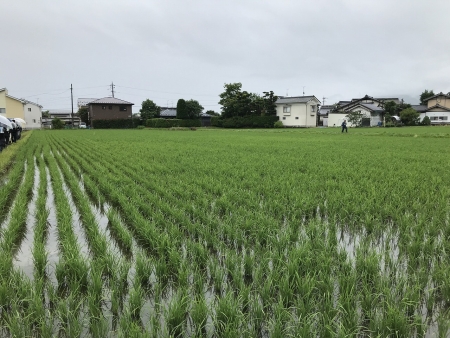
[[372, 107], [295, 99], [168, 112], [110, 100]]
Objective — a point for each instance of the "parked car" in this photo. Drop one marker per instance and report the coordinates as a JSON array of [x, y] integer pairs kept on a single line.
[[82, 125]]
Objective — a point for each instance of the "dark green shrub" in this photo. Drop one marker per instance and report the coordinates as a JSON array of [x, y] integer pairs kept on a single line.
[[140, 127], [170, 123], [57, 123], [426, 121], [245, 122], [115, 124], [278, 124]]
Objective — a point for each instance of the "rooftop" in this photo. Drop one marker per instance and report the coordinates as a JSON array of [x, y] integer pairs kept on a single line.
[[295, 99], [110, 100]]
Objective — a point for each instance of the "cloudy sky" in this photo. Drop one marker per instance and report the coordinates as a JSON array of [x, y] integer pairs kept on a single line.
[[170, 49]]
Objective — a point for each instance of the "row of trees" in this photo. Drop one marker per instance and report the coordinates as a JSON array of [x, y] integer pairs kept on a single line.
[[236, 102]]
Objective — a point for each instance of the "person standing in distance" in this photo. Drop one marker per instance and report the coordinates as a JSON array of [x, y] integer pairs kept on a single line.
[[344, 126]]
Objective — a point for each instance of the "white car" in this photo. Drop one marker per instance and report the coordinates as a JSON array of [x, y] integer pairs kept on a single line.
[[82, 125]]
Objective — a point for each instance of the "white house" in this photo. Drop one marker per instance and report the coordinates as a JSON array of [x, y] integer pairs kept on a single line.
[[298, 111], [33, 115], [437, 109], [372, 110]]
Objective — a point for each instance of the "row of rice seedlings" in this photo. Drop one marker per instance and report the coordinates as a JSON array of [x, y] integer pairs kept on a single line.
[[9, 189], [16, 229], [97, 241], [41, 224], [72, 269], [124, 238]]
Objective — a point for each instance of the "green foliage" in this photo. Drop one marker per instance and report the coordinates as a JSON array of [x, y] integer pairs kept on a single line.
[[170, 123], [115, 124], [390, 108], [242, 103], [46, 114], [83, 114], [278, 124], [409, 116], [245, 122], [426, 121], [149, 110], [212, 113], [57, 123], [182, 109], [425, 95], [193, 109], [355, 118]]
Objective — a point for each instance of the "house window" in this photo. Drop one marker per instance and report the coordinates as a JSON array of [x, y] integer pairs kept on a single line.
[[34, 120], [444, 118], [286, 109], [296, 117], [2, 110], [123, 108], [313, 109], [103, 107], [29, 109], [110, 107], [284, 118]]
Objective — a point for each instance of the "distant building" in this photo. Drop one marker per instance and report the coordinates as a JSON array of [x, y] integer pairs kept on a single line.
[[11, 107], [109, 108], [437, 109], [297, 111], [168, 113], [63, 114]]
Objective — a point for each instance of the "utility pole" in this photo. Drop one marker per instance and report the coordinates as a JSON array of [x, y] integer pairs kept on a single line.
[[112, 89], [71, 98], [323, 100], [303, 90]]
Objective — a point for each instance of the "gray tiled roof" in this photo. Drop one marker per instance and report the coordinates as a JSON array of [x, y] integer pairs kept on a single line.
[[373, 107], [170, 112], [110, 100], [294, 99], [419, 108]]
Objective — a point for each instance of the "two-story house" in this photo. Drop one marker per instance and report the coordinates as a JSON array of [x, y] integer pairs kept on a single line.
[[298, 111]]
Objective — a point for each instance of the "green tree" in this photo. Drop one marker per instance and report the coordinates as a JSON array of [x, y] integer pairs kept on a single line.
[[182, 109], [409, 116], [269, 103], [149, 110], [212, 113], [45, 114], [57, 123], [83, 114], [425, 95], [355, 118], [242, 103], [229, 99], [390, 108], [193, 109]]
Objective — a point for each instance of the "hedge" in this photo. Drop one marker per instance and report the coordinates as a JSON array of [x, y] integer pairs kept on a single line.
[[169, 123], [115, 124], [244, 122]]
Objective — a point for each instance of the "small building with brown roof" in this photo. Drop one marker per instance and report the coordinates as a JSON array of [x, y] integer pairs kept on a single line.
[[109, 108]]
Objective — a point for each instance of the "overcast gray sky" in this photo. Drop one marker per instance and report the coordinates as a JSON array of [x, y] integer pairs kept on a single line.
[[166, 50]]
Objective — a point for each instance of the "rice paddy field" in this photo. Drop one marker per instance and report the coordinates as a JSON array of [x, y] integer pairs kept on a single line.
[[226, 233]]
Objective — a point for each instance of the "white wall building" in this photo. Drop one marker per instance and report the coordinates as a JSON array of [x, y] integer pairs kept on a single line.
[[437, 109], [33, 115], [298, 111]]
